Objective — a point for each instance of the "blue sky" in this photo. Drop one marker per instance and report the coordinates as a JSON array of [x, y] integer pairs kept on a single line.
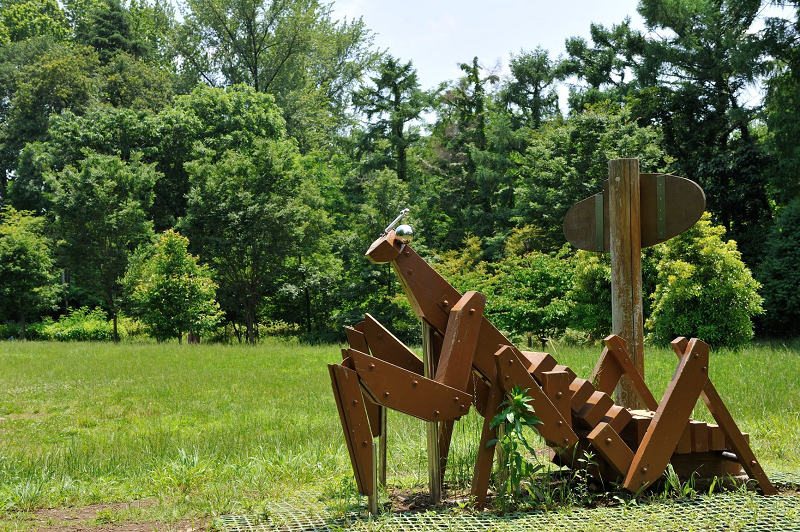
[[436, 35]]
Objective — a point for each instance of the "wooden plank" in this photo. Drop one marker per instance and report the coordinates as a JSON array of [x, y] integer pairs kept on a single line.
[[384, 345], [580, 390], [445, 437], [356, 339], [716, 438], [625, 246], [554, 427], [617, 347], [407, 392], [733, 436], [460, 341], [556, 386], [384, 249], [595, 408], [606, 373], [539, 363], [480, 393], [610, 446], [345, 429], [635, 430], [699, 432], [567, 369], [670, 419], [356, 425], [483, 464], [618, 417], [684, 202], [684, 444]]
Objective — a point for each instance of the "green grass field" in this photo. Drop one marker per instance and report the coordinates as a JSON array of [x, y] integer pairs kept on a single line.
[[210, 430]]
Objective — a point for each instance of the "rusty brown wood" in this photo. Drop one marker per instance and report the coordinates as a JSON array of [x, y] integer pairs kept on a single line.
[[716, 438], [373, 410], [617, 348], [480, 393], [556, 385], [618, 417], [606, 373], [356, 340], [384, 249], [567, 370], [538, 362], [384, 345], [483, 464], [580, 390], [460, 341], [625, 246], [610, 446], [699, 432], [684, 444], [635, 430], [733, 436], [595, 408], [684, 203], [445, 437], [355, 424], [670, 419], [553, 427], [404, 391]]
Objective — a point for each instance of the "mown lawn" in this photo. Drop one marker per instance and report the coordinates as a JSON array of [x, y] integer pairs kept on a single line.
[[209, 430]]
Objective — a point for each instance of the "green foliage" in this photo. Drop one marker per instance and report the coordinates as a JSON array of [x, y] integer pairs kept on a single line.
[[591, 294], [704, 290], [78, 325], [34, 18], [102, 218], [779, 274], [27, 282], [564, 163], [515, 449], [169, 291]]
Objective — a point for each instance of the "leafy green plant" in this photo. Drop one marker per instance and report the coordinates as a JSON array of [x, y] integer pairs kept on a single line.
[[515, 466], [704, 289]]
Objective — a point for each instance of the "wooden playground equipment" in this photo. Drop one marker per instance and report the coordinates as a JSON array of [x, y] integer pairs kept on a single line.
[[468, 362]]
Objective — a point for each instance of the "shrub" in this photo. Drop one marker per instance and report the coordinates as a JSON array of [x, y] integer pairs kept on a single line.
[[590, 294], [81, 325], [704, 290]]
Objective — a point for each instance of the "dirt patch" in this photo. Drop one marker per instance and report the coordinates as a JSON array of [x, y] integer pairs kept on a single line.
[[109, 518]]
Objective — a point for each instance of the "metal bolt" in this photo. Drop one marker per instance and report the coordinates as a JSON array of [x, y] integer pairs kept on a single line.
[[703, 369], [364, 443], [455, 399], [559, 394], [560, 423], [566, 440], [472, 311], [386, 394], [355, 402], [371, 367], [414, 383], [627, 361], [696, 356], [510, 361], [410, 272], [608, 441], [461, 407], [407, 253], [436, 413], [507, 377], [753, 463], [445, 303], [644, 469]]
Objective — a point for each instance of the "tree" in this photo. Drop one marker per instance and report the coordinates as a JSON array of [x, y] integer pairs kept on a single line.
[[245, 215], [564, 163], [169, 291], [34, 18], [27, 282], [530, 93], [108, 31], [779, 275], [391, 105], [101, 218], [704, 290]]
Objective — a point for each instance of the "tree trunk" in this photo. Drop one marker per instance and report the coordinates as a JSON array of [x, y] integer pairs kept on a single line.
[[22, 319], [249, 316]]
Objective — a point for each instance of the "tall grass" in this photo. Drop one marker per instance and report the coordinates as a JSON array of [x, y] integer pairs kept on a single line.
[[212, 429]]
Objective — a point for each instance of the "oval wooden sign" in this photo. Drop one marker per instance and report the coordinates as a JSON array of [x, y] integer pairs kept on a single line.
[[669, 205]]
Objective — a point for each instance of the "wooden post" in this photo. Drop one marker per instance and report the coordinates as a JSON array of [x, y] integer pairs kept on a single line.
[[626, 267], [434, 477]]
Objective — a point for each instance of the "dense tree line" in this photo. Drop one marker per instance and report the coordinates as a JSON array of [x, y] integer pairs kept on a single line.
[[248, 152]]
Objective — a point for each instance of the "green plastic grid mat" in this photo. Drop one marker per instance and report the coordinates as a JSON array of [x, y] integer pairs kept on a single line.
[[719, 512]]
